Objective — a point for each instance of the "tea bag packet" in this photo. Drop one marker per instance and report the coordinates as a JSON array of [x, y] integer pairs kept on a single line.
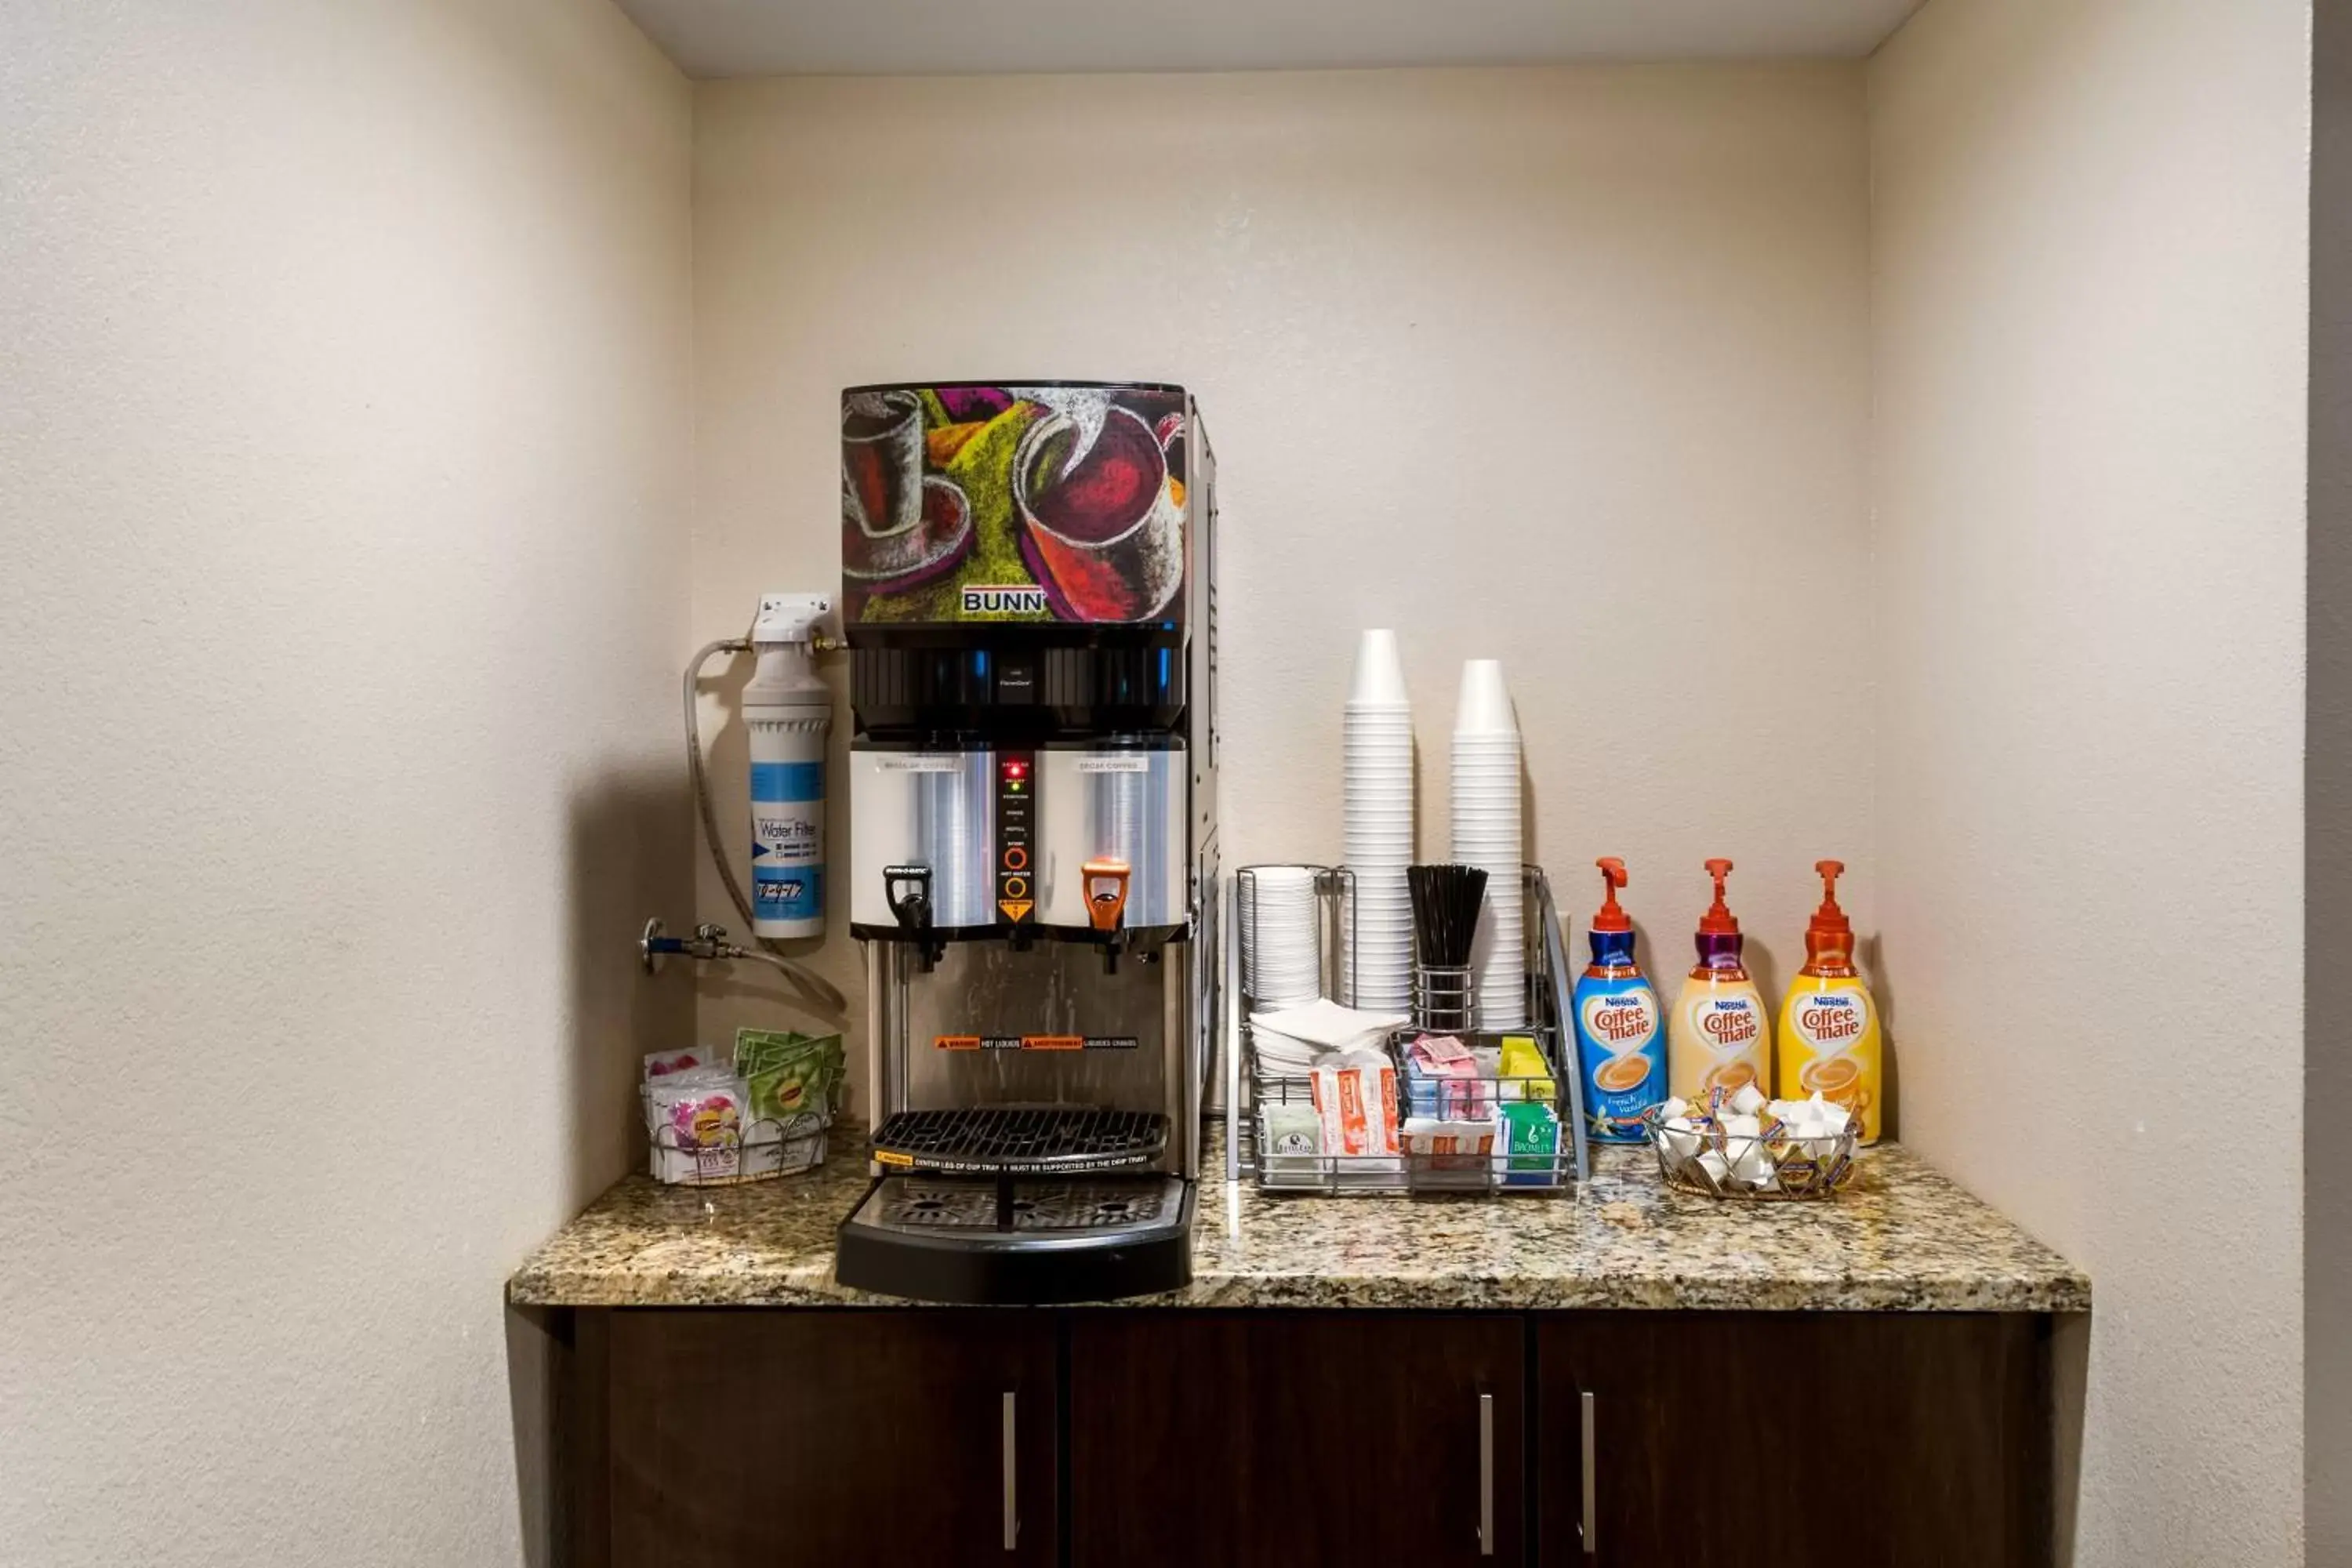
[[1290, 1139], [788, 1076], [661, 1064], [1293, 1130], [698, 1120], [1527, 1143]]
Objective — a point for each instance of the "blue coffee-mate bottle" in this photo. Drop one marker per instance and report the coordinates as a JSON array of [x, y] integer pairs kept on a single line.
[[1621, 1037]]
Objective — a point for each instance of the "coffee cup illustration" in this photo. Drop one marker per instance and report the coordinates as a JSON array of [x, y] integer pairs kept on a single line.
[[1099, 518], [898, 525], [1731, 1076], [1622, 1073], [1832, 1078]]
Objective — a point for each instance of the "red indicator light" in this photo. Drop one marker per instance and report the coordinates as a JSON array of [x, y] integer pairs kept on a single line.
[[1016, 770]]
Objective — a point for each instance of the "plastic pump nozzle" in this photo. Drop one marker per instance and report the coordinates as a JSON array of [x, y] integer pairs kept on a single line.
[[1612, 876], [1830, 919], [1719, 921]]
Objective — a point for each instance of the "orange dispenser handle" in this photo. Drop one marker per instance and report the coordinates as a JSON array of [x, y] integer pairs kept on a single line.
[[1105, 886]]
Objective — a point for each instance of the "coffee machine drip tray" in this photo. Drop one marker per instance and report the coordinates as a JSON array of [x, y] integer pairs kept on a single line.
[[1031, 1208], [1002, 1140], [1019, 1241]]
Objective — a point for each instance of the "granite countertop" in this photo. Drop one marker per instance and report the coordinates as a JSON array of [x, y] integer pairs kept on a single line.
[[1901, 1239]]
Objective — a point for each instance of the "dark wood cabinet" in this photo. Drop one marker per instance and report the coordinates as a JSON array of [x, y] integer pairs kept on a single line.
[[1139, 1437], [824, 1438], [1910, 1440], [1296, 1439]]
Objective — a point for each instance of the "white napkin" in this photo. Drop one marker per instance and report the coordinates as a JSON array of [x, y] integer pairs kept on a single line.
[[1327, 1025]]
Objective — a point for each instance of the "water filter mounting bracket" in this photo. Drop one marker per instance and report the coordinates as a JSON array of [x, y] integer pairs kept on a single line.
[[790, 618]]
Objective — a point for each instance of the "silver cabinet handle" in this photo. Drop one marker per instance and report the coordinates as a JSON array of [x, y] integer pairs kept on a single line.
[[1011, 1471], [1485, 1475], [1591, 1528]]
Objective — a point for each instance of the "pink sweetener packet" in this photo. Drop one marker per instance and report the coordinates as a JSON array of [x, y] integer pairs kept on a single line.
[[1441, 1051]]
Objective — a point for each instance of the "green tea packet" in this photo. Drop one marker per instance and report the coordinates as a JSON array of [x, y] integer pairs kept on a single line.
[[788, 1074]]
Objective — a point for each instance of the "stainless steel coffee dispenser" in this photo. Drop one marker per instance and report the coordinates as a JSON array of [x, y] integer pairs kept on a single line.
[[1026, 573]]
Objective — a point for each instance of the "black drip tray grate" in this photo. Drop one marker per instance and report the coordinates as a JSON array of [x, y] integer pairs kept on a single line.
[[990, 1139]]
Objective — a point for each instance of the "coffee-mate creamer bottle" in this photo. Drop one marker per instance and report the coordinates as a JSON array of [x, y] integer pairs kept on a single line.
[[1828, 1026], [1718, 1036], [1620, 1045]]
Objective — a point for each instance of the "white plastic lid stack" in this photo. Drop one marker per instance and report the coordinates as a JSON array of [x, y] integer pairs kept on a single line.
[[1488, 831], [1376, 811], [1281, 936]]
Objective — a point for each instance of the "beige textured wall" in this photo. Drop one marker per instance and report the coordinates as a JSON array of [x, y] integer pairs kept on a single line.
[[1565, 367], [344, 435], [2089, 293]]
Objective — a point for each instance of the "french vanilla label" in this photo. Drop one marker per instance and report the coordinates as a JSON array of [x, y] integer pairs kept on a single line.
[[1620, 1055], [1621, 1021]]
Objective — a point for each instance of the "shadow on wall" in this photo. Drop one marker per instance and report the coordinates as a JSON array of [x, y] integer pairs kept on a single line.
[[629, 848]]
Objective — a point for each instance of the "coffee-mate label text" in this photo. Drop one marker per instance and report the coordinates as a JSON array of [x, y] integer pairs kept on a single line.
[[1830, 1046], [1721, 1040], [1621, 1049]]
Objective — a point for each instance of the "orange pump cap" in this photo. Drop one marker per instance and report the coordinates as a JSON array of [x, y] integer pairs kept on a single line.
[[1612, 876], [1830, 919], [1719, 921]]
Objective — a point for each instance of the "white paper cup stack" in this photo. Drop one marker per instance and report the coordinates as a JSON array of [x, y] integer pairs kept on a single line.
[[1282, 936], [1488, 832], [1376, 810]]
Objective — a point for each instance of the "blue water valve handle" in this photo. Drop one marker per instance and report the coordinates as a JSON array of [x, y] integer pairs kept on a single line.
[[653, 946]]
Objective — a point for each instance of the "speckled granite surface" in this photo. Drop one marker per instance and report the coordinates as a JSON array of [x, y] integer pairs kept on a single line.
[[1902, 1238]]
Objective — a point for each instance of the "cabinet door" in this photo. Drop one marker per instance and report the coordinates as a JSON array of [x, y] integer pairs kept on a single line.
[[1902, 1440], [1291, 1438], [829, 1438]]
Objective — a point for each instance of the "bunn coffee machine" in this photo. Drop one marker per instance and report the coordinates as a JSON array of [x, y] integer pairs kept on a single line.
[[1028, 596]]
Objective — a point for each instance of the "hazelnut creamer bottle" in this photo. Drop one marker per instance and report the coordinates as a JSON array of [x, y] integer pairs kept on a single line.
[[1619, 1047], [1828, 1026], [1718, 1036]]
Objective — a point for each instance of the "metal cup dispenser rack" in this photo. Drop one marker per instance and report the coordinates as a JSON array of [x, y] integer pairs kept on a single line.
[[1250, 1091]]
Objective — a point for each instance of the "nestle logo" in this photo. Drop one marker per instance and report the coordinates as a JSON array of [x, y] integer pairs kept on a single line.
[[1011, 599]]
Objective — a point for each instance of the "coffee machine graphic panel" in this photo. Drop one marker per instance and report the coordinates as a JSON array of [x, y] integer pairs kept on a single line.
[[1012, 502]]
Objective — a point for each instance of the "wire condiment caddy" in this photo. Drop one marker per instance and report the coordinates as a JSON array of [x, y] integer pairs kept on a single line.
[[1253, 1088]]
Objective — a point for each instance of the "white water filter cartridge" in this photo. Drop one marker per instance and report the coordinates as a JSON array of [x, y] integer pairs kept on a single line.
[[788, 710]]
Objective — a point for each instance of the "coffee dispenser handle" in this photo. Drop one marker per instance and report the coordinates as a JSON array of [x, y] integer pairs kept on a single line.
[[1105, 886], [907, 891]]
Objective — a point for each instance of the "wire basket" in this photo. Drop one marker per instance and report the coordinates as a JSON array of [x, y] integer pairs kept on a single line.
[[760, 1151], [1758, 1168], [1266, 1111], [1459, 1134]]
